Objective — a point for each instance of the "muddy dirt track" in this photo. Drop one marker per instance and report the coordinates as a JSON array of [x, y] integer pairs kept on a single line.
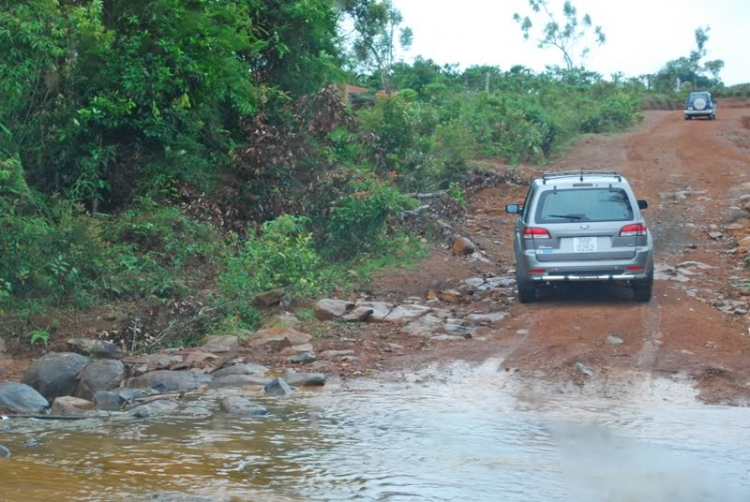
[[694, 173]]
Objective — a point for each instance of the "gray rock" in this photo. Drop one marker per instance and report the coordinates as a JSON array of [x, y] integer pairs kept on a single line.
[[269, 298], [333, 354], [360, 314], [169, 381], [501, 282], [304, 358], [155, 362], [463, 246], [326, 310], [474, 282], [304, 379], [614, 340], [380, 310], [225, 343], [20, 398], [70, 406], [447, 338], [96, 349], [279, 338], [4, 452], [130, 395], [240, 369], [155, 408], [55, 375], [108, 401], [583, 369], [196, 411], [715, 235], [277, 388], [239, 381], [103, 374], [425, 327], [487, 319], [114, 401], [241, 407]]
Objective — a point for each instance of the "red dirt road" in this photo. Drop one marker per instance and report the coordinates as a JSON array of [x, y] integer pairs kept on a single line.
[[681, 332]]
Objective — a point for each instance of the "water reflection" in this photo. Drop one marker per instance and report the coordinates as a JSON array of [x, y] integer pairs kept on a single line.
[[467, 436]]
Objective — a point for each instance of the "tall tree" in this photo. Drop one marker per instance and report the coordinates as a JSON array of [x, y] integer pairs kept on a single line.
[[574, 37], [378, 34], [700, 52]]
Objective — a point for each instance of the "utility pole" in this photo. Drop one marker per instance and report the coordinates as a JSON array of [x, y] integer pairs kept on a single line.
[[487, 81]]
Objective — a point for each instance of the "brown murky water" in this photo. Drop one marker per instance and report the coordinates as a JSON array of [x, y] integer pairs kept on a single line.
[[468, 434]]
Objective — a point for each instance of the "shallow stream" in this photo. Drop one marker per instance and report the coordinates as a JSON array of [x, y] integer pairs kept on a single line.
[[461, 434]]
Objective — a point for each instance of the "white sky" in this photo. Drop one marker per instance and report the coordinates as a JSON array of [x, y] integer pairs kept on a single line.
[[642, 35]]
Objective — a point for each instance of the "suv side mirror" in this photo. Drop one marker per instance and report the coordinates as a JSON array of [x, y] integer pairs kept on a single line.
[[642, 204], [513, 209]]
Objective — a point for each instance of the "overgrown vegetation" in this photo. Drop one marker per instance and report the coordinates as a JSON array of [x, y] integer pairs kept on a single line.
[[150, 149]]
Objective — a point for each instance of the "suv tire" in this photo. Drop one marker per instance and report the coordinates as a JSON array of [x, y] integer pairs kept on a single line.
[[642, 290], [526, 290], [713, 117]]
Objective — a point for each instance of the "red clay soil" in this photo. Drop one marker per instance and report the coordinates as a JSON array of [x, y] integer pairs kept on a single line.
[[673, 335]]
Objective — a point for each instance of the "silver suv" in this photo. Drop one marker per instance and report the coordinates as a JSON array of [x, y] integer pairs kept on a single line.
[[700, 104], [582, 226]]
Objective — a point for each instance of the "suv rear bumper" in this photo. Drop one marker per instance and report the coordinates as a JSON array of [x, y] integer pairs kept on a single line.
[[700, 113], [583, 277], [633, 269]]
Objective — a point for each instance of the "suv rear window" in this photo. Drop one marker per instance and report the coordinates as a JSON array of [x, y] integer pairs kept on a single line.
[[589, 204], [701, 95]]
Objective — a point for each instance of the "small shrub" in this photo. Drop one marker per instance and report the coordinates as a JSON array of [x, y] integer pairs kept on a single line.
[[282, 256], [358, 221]]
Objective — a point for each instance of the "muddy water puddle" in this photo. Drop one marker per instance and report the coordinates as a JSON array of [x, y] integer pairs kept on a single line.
[[465, 433]]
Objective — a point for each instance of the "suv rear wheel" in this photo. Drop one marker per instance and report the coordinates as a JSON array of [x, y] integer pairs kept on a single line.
[[642, 290], [526, 290]]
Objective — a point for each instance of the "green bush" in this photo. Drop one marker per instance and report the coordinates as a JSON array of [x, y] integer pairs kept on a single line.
[[281, 256], [358, 221]]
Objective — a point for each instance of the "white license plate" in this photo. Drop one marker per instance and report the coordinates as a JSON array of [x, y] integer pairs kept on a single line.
[[584, 244]]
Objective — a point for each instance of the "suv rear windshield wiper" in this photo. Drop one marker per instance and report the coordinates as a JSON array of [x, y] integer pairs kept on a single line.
[[569, 216]]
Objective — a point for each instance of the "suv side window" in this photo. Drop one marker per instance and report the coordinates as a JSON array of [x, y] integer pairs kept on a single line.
[[526, 203]]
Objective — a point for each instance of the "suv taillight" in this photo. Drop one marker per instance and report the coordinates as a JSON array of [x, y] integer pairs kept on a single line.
[[633, 230], [536, 233]]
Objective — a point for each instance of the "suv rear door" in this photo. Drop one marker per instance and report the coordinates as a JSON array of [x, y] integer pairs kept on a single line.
[[584, 223]]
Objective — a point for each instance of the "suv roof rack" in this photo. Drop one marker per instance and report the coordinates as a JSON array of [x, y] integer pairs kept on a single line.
[[579, 174]]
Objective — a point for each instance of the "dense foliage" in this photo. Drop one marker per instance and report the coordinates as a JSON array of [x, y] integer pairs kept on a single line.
[[153, 148]]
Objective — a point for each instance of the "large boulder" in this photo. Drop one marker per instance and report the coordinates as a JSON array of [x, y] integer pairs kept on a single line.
[[170, 381], [20, 398], [103, 374], [326, 310], [96, 349], [4, 452], [55, 375], [241, 407], [70, 406]]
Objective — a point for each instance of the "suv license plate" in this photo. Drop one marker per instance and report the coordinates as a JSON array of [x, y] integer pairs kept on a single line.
[[584, 244]]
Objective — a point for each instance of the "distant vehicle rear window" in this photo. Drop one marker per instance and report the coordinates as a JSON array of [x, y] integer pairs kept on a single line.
[[589, 204], [693, 97]]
